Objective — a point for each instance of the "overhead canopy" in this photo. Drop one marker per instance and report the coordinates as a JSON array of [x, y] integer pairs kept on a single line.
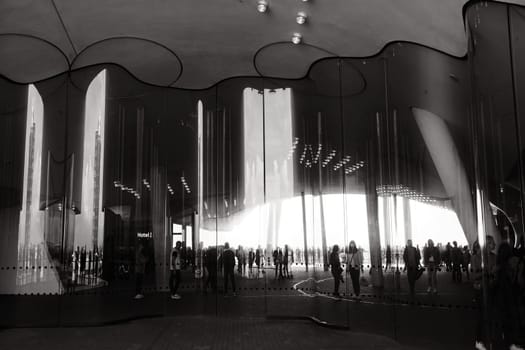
[[196, 43]]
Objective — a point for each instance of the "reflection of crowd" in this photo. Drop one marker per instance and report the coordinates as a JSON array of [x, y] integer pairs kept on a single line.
[[496, 273], [86, 266]]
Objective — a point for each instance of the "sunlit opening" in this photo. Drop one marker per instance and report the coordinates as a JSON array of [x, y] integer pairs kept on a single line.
[[90, 223]]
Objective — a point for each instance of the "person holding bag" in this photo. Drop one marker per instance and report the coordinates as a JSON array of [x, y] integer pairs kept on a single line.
[[354, 264]]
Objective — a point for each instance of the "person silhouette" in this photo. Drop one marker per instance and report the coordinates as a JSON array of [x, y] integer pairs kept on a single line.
[[354, 263], [228, 262], [336, 269]]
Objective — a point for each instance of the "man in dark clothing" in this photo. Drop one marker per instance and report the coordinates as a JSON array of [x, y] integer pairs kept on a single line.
[[457, 260], [228, 261], [258, 260], [411, 257], [447, 257]]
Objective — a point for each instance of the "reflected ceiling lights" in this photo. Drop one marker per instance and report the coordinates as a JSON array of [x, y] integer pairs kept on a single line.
[[262, 6], [297, 38], [301, 18]]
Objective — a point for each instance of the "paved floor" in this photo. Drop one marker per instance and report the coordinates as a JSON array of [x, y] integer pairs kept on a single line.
[[427, 322], [196, 332]]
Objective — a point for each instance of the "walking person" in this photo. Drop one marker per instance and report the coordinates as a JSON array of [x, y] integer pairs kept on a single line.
[[412, 258], [354, 264], [175, 267], [141, 259], [336, 269], [431, 260], [228, 262]]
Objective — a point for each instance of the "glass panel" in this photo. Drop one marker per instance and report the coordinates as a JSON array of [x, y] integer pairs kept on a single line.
[[426, 193], [240, 197], [495, 55], [364, 106], [31, 213]]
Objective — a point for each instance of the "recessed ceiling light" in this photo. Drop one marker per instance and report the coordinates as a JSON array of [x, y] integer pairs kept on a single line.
[[297, 38], [262, 6], [301, 17]]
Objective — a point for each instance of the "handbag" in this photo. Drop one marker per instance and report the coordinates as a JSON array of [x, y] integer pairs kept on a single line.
[[419, 272]]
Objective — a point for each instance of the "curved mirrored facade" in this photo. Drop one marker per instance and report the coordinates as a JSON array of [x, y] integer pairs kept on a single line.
[[380, 186]]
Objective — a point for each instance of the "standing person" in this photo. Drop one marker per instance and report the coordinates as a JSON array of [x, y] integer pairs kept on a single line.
[[457, 259], [466, 261], [211, 267], [239, 260], [258, 260], [280, 261], [275, 256], [477, 277], [141, 259], [354, 262], [412, 258], [336, 269], [286, 261], [388, 257], [243, 261], [82, 264], [228, 262], [175, 266], [447, 256], [251, 259], [431, 259]]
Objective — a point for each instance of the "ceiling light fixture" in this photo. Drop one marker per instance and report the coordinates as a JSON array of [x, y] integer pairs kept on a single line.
[[297, 38], [262, 6], [301, 18]]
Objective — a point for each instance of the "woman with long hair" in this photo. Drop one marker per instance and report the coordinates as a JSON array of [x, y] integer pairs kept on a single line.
[[354, 261]]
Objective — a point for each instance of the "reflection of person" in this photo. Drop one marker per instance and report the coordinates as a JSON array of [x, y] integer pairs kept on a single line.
[[431, 259], [175, 274], [388, 257], [466, 261], [411, 257], [286, 254], [251, 259], [354, 264], [280, 261], [258, 258], [140, 267], [210, 260], [457, 260], [506, 295], [336, 269], [228, 262], [275, 260]]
